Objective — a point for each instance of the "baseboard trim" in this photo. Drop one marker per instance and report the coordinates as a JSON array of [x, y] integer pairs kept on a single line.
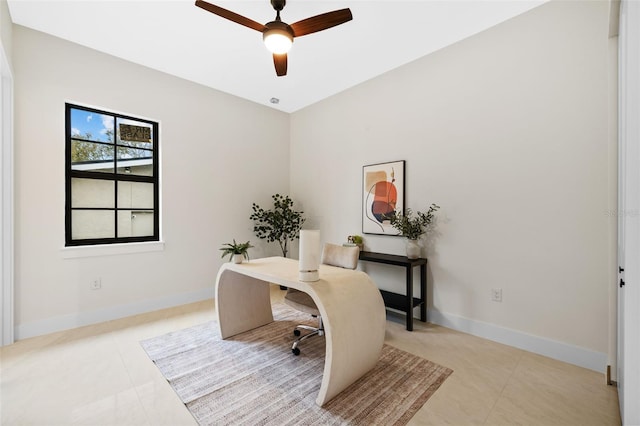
[[575, 355], [565, 352], [80, 319]]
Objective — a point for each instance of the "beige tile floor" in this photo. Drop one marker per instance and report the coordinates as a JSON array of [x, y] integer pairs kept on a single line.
[[99, 375]]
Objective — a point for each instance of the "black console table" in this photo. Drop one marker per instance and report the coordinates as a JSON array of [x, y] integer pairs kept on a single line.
[[403, 302]]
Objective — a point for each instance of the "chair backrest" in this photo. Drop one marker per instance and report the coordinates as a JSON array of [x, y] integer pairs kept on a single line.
[[344, 257]]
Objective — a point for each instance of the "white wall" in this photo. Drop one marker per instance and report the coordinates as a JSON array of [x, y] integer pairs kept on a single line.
[[218, 155], [6, 29], [508, 132]]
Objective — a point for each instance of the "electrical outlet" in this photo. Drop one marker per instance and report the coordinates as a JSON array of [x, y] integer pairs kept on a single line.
[[496, 294], [96, 284]]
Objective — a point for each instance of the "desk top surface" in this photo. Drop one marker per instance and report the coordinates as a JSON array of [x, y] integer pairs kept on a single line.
[[283, 271]]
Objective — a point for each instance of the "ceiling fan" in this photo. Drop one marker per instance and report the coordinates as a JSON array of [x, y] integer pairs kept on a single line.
[[278, 36]]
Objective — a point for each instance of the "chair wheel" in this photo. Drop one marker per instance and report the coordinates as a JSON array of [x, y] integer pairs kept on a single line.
[[295, 351], [296, 332]]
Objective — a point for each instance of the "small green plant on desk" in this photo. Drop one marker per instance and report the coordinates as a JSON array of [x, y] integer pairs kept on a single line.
[[357, 240], [237, 252]]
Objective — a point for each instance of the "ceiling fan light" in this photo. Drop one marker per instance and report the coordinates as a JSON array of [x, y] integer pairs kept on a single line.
[[277, 40]]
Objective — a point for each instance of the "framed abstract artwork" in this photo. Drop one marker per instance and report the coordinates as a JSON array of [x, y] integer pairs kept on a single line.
[[382, 195]]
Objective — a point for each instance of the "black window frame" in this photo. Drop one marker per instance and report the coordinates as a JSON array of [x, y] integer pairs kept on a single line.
[[114, 177]]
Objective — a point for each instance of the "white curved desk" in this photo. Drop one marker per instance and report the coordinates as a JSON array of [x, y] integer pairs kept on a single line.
[[350, 304]]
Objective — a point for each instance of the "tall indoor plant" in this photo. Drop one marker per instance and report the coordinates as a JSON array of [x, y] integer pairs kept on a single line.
[[413, 227], [281, 223]]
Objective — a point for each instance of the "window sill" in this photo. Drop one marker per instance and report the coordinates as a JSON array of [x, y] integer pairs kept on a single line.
[[111, 249]]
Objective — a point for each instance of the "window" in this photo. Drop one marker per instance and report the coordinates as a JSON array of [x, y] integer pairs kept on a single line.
[[111, 178]]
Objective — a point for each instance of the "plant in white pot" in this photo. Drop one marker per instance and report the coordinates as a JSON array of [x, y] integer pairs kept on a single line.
[[413, 227], [237, 252]]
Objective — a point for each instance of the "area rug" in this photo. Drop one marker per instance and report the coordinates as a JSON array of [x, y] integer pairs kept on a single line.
[[254, 379]]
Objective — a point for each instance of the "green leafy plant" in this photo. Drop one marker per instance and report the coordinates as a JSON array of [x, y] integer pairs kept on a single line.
[[281, 224], [355, 239], [229, 249], [413, 226]]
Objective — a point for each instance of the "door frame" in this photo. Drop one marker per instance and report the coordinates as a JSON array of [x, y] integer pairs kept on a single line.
[[7, 200], [629, 217]]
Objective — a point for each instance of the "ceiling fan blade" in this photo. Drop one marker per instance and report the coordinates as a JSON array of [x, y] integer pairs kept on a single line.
[[321, 22], [280, 61], [232, 16]]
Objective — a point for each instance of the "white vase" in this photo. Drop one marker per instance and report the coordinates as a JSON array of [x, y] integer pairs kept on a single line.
[[413, 249], [237, 258]]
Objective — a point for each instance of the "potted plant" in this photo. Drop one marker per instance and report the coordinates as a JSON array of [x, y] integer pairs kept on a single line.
[[413, 227], [237, 252], [357, 240], [281, 224]]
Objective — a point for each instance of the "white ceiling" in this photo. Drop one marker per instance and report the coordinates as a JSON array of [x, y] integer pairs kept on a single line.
[[181, 39]]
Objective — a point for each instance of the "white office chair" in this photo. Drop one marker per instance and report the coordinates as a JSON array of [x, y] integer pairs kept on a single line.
[[332, 254]]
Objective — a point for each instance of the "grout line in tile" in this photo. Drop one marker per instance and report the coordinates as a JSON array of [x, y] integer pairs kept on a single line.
[[504, 386], [132, 383]]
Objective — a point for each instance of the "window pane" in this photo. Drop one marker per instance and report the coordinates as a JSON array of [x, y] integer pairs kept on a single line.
[[133, 133], [127, 153], [139, 170], [136, 195], [92, 193], [135, 161], [135, 223], [91, 126], [92, 224], [91, 156]]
